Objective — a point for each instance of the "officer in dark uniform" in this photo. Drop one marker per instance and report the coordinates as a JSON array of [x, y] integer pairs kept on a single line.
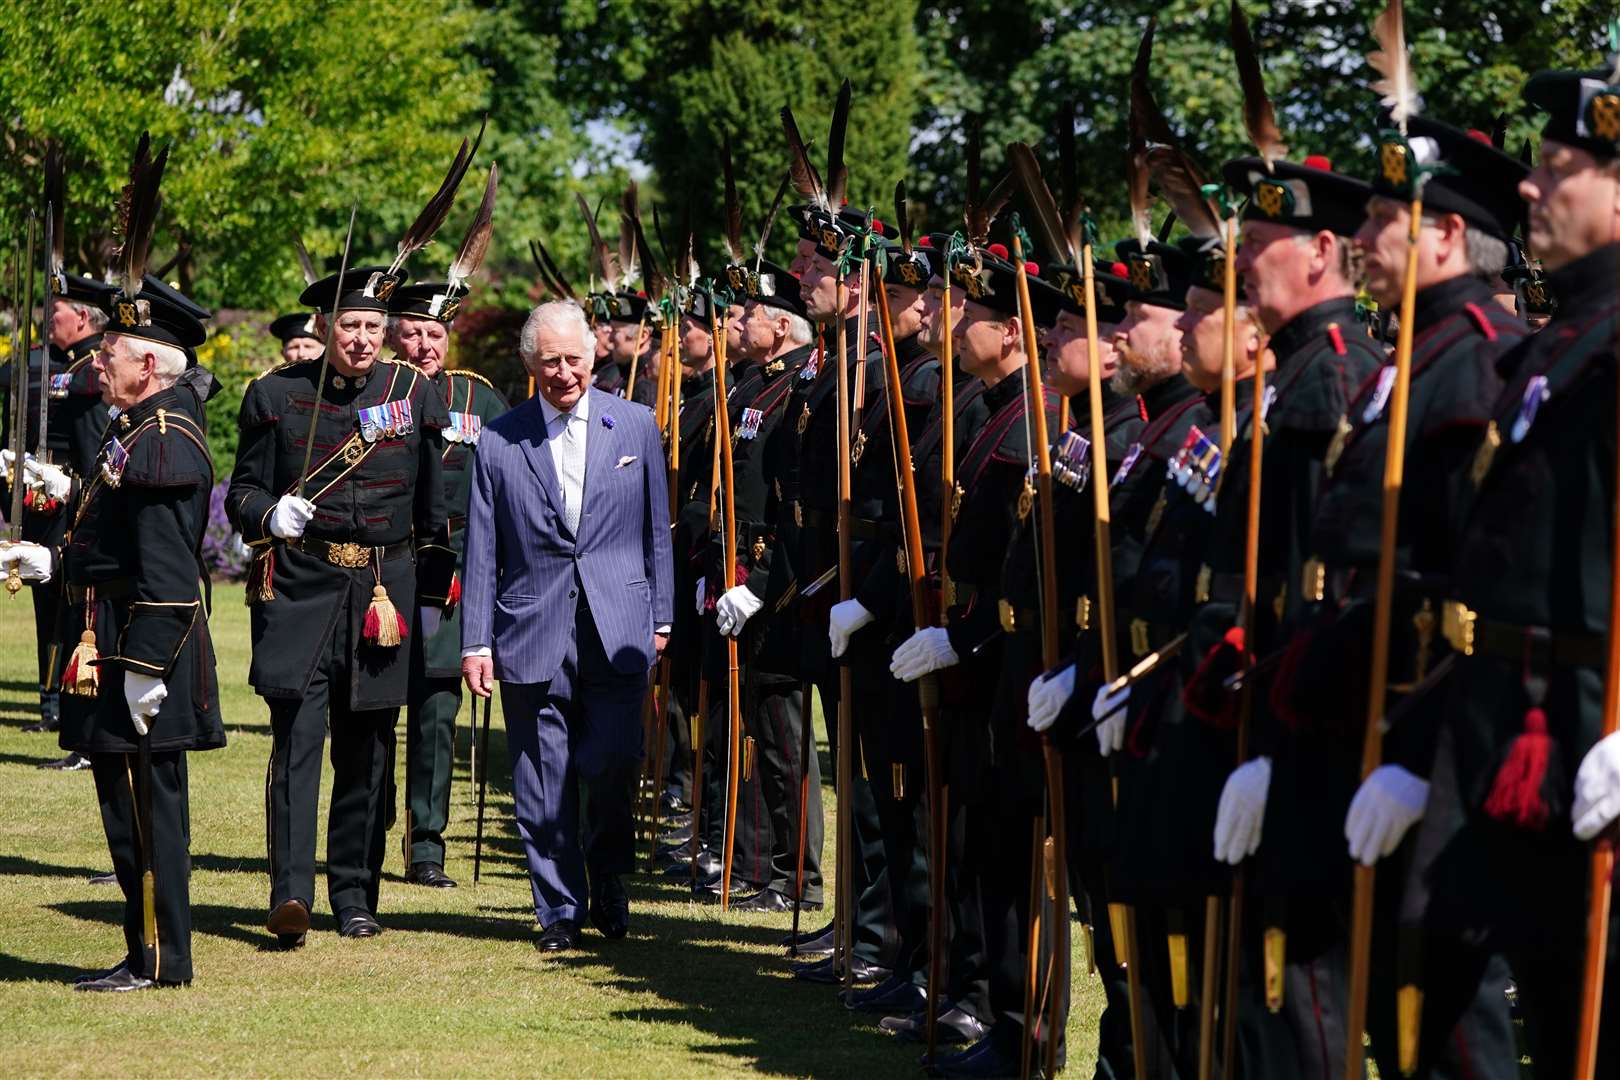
[[419, 318], [76, 422], [891, 729], [970, 647], [299, 340], [1503, 841], [333, 585], [809, 512], [775, 340], [627, 318], [137, 599]]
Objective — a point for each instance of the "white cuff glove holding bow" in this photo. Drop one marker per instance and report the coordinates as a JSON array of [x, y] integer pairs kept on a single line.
[[290, 516], [734, 608], [40, 476], [1388, 803], [144, 695], [929, 649], [33, 561], [1242, 811], [1108, 710], [1597, 788], [1047, 696], [846, 617]]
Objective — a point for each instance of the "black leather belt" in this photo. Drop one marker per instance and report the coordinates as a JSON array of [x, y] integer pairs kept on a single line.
[[859, 528], [1536, 646], [347, 554]]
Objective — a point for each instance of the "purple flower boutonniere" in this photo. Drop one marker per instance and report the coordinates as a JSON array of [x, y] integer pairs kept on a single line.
[[607, 421]]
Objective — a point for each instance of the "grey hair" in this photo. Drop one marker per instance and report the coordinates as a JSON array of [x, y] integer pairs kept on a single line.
[[800, 332], [1486, 254], [168, 361], [559, 315], [94, 315]]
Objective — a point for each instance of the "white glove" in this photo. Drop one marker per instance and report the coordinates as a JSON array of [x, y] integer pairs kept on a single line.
[[33, 561], [239, 547], [290, 516], [40, 476], [702, 591], [1109, 712], [929, 649], [1597, 788], [1242, 811], [736, 606], [1388, 803], [846, 617], [144, 695], [1047, 696]]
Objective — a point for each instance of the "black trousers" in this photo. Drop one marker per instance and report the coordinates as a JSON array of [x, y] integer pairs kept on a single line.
[[362, 753], [430, 752], [678, 743], [52, 658], [876, 939], [903, 825], [118, 785]]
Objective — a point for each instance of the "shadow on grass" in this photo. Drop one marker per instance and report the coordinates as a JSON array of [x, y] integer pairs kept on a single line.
[[16, 969], [22, 866], [48, 752], [231, 864]]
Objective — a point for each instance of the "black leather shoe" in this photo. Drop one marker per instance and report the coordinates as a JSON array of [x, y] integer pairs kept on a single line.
[[42, 726], [817, 946], [708, 890], [681, 868], [674, 807], [986, 1059], [808, 936], [93, 976], [953, 1027], [430, 874], [764, 900], [71, 763], [289, 919], [824, 973], [120, 980], [109, 878], [892, 995], [610, 907], [560, 935], [356, 922], [676, 837]]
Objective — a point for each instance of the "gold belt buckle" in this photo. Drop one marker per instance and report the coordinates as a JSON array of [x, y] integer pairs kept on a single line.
[[349, 555], [1457, 626], [1139, 637], [1009, 619]]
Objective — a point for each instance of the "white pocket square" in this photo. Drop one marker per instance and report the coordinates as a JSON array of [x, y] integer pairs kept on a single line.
[[627, 459]]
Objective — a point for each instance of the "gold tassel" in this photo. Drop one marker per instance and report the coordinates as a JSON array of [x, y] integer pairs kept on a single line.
[[383, 625], [1275, 952], [81, 677]]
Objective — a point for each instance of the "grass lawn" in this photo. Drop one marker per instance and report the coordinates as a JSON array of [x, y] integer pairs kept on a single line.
[[453, 986]]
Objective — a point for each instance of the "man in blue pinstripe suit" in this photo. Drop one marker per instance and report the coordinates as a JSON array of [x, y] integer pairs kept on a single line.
[[567, 601]]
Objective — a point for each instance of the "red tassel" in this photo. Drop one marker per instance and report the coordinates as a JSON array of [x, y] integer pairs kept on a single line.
[[1204, 696], [1515, 797], [453, 597]]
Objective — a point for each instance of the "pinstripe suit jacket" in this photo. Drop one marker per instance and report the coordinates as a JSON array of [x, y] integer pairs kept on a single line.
[[524, 568]]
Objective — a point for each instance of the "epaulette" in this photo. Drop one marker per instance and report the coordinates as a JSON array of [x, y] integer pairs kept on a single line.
[[285, 365], [149, 464], [468, 373], [402, 362]]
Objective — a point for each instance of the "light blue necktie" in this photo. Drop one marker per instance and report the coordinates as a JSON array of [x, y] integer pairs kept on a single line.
[[572, 468]]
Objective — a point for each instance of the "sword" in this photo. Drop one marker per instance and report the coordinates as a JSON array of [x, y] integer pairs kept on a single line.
[[19, 405], [326, 355], [483, 786], [143, 811]]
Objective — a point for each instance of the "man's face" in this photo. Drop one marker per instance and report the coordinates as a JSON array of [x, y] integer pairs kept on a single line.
[[423, 342], [357, 342], [932, 331], [1149, 343], [300, 348], [625, 341], [1573, 200], [125, 370], [905, 310], [67, 325], [1203, 338], [762, 331], [697, 347], [1276, 263], [1068, 354], [818, 288], [983, 337], [734, 334], [603, 332], [802, 254], [561, 365]]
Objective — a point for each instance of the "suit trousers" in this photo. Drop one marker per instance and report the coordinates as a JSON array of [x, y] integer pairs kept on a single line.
[[430, 751], [575, 748], [362, 754], [118, 779], [876, 939]]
